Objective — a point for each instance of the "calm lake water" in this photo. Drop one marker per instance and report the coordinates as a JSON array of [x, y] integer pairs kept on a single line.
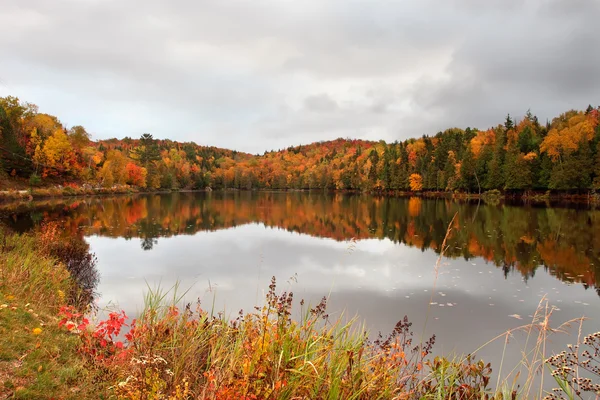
[[374, 257]]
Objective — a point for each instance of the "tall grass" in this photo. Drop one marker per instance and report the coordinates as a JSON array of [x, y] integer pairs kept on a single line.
[[188, 352], [266, 354]]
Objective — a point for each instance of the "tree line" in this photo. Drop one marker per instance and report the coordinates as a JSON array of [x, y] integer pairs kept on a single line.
[[518, 155]]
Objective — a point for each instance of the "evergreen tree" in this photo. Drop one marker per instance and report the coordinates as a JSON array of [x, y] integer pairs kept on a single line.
[[386, 175], [517, 171], [596, 170], [575, 170], [148, 155], [526, 141], [508, 124], [468, 178], [589, 109], [495, 175], [450, 172], [482, 164]]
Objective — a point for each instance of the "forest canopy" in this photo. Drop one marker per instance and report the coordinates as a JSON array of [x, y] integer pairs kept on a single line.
[[517, 155]]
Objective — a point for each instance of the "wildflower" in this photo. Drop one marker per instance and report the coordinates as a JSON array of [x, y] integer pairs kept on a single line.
[[61, 294], [36, 331]]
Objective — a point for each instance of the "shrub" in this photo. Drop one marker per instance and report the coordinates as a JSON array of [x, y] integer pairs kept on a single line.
[[35, 180]]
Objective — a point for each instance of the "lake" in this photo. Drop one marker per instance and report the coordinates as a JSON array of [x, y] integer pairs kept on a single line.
[[373, 257]]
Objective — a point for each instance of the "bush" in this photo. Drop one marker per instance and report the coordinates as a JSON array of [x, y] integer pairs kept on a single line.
[[35, 180]]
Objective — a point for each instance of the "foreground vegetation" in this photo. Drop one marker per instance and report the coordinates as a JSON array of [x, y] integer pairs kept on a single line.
[[516, 156], [50, 349]]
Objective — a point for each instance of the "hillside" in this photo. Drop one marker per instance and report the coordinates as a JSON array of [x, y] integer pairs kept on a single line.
[[517, 155]]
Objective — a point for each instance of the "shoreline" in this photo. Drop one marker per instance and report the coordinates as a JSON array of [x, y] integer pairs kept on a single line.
[[492, 197]]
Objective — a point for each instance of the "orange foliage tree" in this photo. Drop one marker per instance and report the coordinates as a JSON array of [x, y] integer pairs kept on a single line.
[[136, 175], [416, 182]]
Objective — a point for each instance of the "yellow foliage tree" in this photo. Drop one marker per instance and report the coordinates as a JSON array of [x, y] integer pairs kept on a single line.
[[57, 153], [114, 170], [415, 182], [481, 139], [565, 137]]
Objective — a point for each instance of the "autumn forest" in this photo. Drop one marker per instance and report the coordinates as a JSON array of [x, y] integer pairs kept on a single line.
[[517, 155]]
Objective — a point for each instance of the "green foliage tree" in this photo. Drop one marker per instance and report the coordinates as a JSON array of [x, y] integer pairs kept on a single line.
[[468, 172]]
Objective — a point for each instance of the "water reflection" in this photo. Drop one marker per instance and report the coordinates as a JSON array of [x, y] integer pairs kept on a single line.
[[563, 241]]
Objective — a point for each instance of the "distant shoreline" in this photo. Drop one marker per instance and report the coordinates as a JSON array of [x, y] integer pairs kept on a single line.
[[493, 196]]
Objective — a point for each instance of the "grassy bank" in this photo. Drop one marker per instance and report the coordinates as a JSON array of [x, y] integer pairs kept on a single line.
[[49, 349], [38, 359]]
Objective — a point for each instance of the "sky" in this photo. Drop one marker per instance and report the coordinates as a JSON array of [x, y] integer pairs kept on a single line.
[[264, 75]]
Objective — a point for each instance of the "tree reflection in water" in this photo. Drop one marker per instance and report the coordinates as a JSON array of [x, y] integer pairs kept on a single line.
[[565, 241]]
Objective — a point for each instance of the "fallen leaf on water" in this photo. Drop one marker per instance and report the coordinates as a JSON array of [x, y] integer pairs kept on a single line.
[[517, 316]]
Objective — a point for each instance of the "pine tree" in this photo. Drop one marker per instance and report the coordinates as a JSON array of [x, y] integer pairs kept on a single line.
[[495, 176], [147, 154], [468, 179], [517, 171], [508, 124]]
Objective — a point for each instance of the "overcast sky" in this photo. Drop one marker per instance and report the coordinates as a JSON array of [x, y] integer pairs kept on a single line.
[[261, 75]]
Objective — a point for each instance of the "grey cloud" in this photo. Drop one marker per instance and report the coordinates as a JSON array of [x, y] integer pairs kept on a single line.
[[572, 8], [531, 62], [320, 103], [262, 74]]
